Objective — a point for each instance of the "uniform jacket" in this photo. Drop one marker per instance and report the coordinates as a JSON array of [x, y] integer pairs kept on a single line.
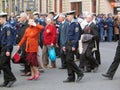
[[7, 36], [31, 38], [74, 33], [49, 34]]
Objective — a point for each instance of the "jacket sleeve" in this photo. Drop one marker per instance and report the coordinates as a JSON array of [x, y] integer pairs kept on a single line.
[[54, 34], [9, 38], [40, 27]]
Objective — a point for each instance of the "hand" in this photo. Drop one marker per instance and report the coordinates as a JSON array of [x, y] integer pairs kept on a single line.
[[52, 44], [7, 53], [64, 48], [73, 49], [57, 45], [33, 24], [18, 47]]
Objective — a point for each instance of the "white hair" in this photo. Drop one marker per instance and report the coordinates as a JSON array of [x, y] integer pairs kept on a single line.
[[24, 15], [87, 14], [62, 15]]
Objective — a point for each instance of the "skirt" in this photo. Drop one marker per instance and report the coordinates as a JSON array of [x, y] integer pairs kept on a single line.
[[31, 58]]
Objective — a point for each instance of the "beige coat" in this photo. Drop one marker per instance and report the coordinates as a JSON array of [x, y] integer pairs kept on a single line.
[[116, 24]]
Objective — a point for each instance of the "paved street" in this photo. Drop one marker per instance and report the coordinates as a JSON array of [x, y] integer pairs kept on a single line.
[[52, 79]]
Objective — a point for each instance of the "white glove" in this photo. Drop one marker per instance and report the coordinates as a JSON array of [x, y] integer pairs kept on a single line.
[[33, 24]]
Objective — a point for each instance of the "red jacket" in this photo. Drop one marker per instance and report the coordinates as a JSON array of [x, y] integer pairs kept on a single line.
[[49, 35], [31, 38]]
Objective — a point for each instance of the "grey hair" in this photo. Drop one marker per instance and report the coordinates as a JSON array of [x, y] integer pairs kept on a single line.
[[62, 15], [24, 15]]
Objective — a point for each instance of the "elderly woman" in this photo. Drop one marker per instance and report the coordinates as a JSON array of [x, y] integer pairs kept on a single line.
[[49, 39], [31, 39]]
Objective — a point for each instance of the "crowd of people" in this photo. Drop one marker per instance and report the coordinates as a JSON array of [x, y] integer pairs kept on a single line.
[[72, 37]]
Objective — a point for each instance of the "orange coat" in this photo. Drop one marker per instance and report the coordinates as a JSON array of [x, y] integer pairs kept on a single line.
[[31, 38]]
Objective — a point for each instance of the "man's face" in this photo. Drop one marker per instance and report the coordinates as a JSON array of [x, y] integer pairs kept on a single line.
[[89, 19], [22, 18], [69, 17], [1, 20], [60, 19]]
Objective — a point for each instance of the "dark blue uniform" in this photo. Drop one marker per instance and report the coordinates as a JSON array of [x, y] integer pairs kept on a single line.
[[101, 24], [110, 24], [41, 21], [13, 23], [73, 37], [6, 40]]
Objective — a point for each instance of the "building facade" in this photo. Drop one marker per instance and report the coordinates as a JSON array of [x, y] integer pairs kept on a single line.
[[58, 6], [93, 6]]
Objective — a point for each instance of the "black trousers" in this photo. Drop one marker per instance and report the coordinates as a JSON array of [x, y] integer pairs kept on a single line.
[[6, 66], [112, 69], [23, 60], [72, 68], [97, 52], [91, 61], [63, 57]]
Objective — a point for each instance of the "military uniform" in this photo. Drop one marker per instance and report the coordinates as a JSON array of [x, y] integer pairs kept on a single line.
[[13, 23], [73, 36], [6, 41]]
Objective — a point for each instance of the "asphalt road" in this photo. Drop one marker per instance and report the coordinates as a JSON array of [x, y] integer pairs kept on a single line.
[[52, 79]]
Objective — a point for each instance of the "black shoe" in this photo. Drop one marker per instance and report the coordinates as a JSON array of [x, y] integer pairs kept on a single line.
[[68, 80], [95, 69], [22, 70], [87, 71], [107, 76], [79, 77], [11, 83], [4, 84], [62, 68]]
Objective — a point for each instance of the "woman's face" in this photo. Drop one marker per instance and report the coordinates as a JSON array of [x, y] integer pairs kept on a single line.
[[30, 21], [48, 21]]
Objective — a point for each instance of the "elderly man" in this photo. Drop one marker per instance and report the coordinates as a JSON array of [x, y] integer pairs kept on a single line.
[[6, 41], [24, 25], [87, 58], [62, 37]]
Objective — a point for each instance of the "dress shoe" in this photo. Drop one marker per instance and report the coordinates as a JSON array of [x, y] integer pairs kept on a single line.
[[4, 84], [62, 68], [79, 77], [95, 69], [52, 66], [22, 70], [31, 78], [45, 65], [41, 70], [69, 80], [107, 76], [37, 76], [11, 83], [26, 74]]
